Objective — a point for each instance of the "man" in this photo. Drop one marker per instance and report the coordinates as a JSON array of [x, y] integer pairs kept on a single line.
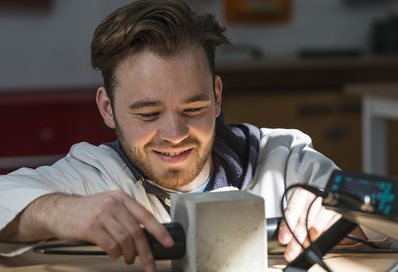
[[163, 98]]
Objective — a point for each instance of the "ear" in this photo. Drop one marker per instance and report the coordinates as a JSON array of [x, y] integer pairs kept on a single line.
[[105, 107], [218, 93]]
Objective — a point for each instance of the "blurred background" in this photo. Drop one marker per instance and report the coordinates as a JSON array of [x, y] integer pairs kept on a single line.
[[293, 65]]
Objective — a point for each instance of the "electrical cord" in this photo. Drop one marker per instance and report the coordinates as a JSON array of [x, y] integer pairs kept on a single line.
[[306, 219], [313, 255], [363, 241], [66, 248], [317, 191]]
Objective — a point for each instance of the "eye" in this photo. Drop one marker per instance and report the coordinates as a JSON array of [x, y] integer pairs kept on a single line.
[[150, 116], [193, 110]]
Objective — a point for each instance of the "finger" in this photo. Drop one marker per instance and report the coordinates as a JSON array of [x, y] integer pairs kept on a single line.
[[294, 247], [324, 219], [126, 224], [319, 219], [122, 237], [105, 241], [284, 235], [144, 217], [127, 230], [314, 210], [126, 219], [132, 217], [296, 205], [142, 248]]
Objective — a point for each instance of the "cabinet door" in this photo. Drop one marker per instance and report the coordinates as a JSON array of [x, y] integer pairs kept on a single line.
[[392, 147], [331, 119]]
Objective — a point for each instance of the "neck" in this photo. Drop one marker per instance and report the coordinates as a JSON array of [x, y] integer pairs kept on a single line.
[[200, 179]]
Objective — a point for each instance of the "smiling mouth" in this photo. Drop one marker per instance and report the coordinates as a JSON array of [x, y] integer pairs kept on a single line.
[[173, 157], [172, 154]]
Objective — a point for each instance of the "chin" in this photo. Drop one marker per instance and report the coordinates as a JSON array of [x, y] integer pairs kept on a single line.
[[175, 180]]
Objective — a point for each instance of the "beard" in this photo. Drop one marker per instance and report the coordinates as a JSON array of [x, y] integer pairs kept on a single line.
[[170, 177]]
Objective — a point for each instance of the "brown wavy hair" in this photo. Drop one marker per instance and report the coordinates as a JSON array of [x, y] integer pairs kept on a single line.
[[161, 26]]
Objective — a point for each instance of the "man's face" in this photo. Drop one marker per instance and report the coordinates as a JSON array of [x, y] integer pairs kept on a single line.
[[164, 114]]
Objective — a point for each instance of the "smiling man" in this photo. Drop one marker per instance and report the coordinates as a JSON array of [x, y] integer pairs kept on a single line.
[[175, 105], [163, 98]]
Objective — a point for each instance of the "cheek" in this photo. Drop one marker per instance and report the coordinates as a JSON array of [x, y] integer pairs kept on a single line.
[[203, 128], [136, 134]]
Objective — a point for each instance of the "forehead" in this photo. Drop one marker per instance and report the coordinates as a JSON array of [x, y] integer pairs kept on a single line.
[[149, 75]]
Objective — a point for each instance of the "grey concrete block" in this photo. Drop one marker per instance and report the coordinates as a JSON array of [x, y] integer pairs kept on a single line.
[[225, 231]]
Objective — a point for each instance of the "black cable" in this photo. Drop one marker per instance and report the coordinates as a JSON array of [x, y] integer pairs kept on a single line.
[[65, 248], [313, 255], [363, 241], [283, 212], [306, 219], [315, 190], [314, 247], [159, 252], [344, 251]]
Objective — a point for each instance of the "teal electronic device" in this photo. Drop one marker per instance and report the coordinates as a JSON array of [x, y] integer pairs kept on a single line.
[[365, 199]]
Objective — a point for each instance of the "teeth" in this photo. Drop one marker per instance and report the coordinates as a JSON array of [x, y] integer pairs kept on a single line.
[[171, 154]]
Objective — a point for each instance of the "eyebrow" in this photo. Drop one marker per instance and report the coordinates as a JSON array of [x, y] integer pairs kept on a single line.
[[155, 103], [144, 103], [197, 98]]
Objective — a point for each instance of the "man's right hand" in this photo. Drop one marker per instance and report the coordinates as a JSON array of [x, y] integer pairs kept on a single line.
[[112, 220]]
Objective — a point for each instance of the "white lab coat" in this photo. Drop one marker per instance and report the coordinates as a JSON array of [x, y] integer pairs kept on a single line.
[[286, 157]]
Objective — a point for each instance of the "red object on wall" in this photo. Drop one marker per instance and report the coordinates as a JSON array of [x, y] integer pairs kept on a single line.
[[25, 3], [47, 124]]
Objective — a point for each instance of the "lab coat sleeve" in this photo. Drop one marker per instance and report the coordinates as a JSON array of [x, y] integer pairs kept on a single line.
[[286, 157], [86, 169]]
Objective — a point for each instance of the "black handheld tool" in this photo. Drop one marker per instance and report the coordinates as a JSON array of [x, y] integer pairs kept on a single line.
[[159, 252], [272, 228], [177, 233], [177, 251]]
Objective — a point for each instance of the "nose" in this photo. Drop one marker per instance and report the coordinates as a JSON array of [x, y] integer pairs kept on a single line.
[[174, 129]]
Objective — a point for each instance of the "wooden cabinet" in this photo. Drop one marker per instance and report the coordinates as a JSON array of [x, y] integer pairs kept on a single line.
[[38, 128], [308, 94], [332, 120]]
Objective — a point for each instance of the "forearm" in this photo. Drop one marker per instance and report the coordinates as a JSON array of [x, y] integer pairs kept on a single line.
[[36, 221], [112, 220]]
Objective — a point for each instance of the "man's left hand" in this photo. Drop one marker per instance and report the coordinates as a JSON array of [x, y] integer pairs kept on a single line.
[[319, 219]]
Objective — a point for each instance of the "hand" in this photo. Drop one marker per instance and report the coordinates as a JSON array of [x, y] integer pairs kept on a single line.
[[319, 219], [112, 220]]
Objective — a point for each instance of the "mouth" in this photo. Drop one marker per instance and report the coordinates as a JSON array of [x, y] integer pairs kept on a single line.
[[173, 156]]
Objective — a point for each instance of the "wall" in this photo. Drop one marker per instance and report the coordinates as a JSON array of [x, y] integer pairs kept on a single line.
[[317, 24], [50, 48]]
